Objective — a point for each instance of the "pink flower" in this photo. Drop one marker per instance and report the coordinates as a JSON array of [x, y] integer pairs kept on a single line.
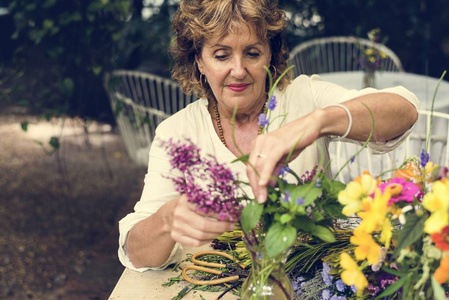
[[400, 190]]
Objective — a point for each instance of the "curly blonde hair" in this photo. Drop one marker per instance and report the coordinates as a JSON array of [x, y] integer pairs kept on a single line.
[[197, 21]]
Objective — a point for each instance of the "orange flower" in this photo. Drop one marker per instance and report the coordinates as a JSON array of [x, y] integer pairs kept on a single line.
[[409, 172], [441, 239], [442, 273]]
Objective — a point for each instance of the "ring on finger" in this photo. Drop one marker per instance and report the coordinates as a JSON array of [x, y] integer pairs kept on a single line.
[[261, 155]]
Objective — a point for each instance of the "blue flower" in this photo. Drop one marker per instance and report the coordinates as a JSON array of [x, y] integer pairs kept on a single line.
[[286, 196], [263, 120], [300, 201], [327, 278], [424, 158], [284, 170], [326, 294], [352, 159], [335, 297], [340, 285], [272, 103]]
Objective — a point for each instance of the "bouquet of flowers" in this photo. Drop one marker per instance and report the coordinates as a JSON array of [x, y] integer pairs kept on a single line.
[[398, 249], [372, 58]]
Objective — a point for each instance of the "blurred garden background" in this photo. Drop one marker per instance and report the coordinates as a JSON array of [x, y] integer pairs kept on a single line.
[[65, 177]]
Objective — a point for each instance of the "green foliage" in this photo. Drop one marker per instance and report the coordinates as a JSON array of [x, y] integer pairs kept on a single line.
[[251, 215], [64, 48], [411, 232]]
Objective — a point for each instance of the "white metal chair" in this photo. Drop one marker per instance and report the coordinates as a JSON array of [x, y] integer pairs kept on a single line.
[[341, 152], [141, 101], [337, 54]]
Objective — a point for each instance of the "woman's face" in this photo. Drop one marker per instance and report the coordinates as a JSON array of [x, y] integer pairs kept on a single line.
[[233, 67]]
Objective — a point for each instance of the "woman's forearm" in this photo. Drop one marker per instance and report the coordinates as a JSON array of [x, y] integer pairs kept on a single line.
[[393, 115], [149, 242]]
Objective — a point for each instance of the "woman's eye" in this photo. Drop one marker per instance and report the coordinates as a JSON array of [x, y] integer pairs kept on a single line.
[[253, 54], [221, 57]]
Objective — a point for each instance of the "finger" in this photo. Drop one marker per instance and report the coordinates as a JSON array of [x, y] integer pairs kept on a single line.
[[253, 176], [184, 233]]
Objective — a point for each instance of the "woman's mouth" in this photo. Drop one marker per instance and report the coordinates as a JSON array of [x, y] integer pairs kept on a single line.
[[238, 87]]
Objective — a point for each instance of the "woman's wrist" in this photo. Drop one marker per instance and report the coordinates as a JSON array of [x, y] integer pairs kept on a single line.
[[335, 120]]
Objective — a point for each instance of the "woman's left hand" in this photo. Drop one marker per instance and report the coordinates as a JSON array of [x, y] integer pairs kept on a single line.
[[270, 151]]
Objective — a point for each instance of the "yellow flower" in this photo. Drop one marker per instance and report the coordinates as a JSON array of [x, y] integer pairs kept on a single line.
[[351, 197], [369, 51], [438, 199], [437, 202], [367, 247], [351, 274], [386, 234], [436, 222], [374, 212]]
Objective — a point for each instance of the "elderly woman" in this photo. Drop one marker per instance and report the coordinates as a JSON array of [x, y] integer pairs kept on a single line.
[[220, 49]]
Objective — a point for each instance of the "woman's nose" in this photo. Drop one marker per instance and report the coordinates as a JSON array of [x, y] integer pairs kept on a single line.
[[238, 68]]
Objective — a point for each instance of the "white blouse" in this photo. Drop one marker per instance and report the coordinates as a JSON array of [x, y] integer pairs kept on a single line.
[[304, 95]]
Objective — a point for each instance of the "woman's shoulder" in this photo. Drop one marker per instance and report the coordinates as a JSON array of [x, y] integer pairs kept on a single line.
[[185, 120]]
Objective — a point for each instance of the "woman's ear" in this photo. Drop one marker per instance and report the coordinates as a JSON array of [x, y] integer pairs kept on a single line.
[[199, 63]]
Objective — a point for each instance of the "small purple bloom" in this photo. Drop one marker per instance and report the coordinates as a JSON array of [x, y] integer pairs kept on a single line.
[[327, 277], [318, 183], [300, 201], [353, 288], [340, 285], [263, 120], [211, 186], [272, 103], [352, 159], [286, 196], [424, 158], [283, 170], [326, 294]]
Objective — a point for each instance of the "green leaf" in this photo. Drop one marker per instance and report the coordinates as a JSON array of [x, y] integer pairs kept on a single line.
[[54, 142], [48, 3], [323, 233], [251, 215], [285, 218], [393, 271], [24, 125], [337, 186], [304, 224], [317, 216], [243, 158], [438, 290], [309, 192], [334, 210], [48, 23], [411, 231], [392, 288], [55, 51], [66, 86], [279, 238], [97, 70]]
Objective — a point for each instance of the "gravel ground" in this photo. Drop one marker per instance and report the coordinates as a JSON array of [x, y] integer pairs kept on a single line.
[[59, 212]]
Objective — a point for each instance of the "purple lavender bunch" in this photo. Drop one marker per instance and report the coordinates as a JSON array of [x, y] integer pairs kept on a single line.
[[207, 183]]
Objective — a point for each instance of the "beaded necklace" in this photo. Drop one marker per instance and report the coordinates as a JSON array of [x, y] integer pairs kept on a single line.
[[220, 128]]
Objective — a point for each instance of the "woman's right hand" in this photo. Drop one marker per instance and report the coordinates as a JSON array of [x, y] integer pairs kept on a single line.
[[191, 228]]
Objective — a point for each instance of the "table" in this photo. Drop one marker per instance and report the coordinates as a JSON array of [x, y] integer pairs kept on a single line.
[[422, 86], [134, 285]]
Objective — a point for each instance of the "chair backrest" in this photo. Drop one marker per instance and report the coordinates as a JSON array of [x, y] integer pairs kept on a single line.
[[337, 54], [341, 152], [141, 101]]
